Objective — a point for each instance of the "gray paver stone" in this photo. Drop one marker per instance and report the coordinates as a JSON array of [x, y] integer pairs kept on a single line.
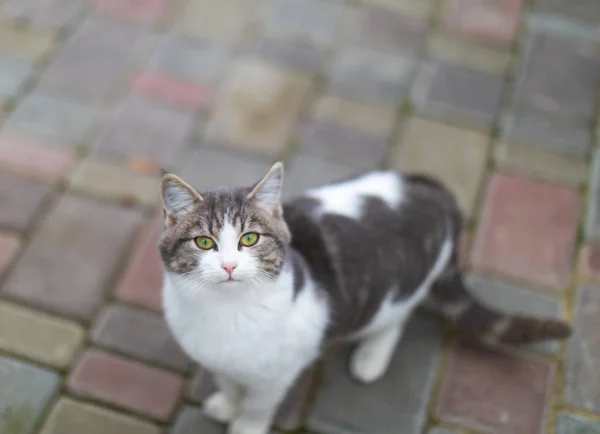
[[93, 61], [294, 55], [25, 393], [140, 334], [200, 62], [59, 122], [395, 404], [46, 15], [559, 76], [312, 21], [454, 91], [584, 9], [552, 134], [20, 200], [574, 424], [342, 145], [366, 75], [592, 222], [582, 384], [14, 72], [191, 420]]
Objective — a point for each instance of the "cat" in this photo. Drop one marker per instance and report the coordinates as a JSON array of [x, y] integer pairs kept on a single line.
[[254, 288]]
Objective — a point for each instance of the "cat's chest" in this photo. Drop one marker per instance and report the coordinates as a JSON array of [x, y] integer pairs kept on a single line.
[[232, 339]]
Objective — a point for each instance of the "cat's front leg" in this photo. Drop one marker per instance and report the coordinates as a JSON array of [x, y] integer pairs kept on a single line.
[[258, 409], [224, 404]]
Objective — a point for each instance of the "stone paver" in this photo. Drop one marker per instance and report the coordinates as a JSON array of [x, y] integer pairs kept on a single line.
[[397, 400], [295, 55], [87, 234], [140, 129], [20, 201], [456, 92], [589, 261], [497, 98], [93, 61], [191, 420], [14, 73], [31, 159], [31, 46], [455, 155], [592, 222], [44, 15], [142, 281], [26, 391], [495, 393], [371, 119], [468, 52], [527, 231], [243, 169], [370, 76], [9, 247], [115, 182], [516, 300], [311, 21], [113, 379], [139, 334], [147, 11], [496, 22], [72, 417], [57, 121], [226, 21], [582, 387], [257, 107], [43, 338], [341, 144], [170, 91], [307, 171], [574, 424], [197, 61], [558, 76], [385, 30], [584, 9]]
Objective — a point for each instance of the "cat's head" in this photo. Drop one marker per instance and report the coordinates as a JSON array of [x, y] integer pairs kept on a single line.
[[227, 236]]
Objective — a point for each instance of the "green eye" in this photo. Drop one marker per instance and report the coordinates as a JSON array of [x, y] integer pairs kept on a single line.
[[249, 239], [205, 243]]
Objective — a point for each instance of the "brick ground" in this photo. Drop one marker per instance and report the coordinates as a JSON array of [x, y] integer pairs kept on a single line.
[[96, 96]]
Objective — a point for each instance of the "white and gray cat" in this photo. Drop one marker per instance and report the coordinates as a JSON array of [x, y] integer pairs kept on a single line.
[[254, 289]]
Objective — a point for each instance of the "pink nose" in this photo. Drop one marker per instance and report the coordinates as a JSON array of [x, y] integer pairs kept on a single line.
[[229, 268]]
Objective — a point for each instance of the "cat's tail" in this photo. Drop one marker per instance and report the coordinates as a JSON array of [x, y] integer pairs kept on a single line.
[[451, 298]]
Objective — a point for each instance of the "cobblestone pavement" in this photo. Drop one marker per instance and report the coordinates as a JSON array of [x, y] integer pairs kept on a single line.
[[496, 97]]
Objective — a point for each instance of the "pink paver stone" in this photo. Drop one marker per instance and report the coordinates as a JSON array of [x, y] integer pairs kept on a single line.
[[527, 231], [35, 160], [170, 90], [113, 379], [142, 282], [495, 393], [493, 20], [9, 246], [138, 10]]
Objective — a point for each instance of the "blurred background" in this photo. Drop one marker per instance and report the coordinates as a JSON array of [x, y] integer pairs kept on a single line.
[[498, 98]]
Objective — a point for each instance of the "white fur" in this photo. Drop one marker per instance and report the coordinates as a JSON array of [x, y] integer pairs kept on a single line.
[[254, 337], [346, 198]]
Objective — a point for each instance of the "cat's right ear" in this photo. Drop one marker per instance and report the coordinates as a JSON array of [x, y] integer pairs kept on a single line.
[[177, 196]]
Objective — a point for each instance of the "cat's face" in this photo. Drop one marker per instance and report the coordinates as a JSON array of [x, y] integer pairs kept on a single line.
[[226, 237]]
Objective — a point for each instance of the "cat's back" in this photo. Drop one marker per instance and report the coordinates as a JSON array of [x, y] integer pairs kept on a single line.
[[371, 235]]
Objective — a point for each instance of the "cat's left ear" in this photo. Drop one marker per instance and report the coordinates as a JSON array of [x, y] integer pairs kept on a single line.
[[177, 196], [267, 192]]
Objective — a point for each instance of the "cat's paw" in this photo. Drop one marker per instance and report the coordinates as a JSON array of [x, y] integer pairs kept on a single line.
[[367, 366], [218, 407], [245, 426]]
